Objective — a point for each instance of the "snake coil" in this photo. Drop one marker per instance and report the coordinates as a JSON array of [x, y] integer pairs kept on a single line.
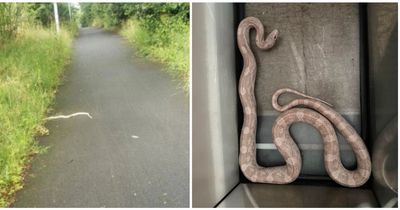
[[316, 113]]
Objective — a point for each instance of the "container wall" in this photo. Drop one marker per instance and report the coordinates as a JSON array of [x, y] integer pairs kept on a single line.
[[214, 104], [383, 84]]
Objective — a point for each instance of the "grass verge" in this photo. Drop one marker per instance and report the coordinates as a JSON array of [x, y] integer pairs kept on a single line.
[[30, 69], [168, 43]]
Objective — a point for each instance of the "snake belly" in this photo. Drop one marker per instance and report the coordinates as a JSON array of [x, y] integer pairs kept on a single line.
[[317, 113]]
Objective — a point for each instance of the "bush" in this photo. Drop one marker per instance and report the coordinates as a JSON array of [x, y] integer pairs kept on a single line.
[[168, 43]]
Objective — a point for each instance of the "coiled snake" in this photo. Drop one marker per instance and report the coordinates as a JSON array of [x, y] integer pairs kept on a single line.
[[317, 113]]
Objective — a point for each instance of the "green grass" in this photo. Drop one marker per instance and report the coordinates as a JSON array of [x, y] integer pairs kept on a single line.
[[168, 43], [30, 70]]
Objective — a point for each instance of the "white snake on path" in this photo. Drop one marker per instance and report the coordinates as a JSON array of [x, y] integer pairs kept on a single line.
[[317, 113]]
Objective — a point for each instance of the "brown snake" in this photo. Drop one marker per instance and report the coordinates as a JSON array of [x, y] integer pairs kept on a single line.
[[317, 113]]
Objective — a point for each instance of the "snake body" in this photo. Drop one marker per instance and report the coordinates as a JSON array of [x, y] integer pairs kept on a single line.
[[317, 113]]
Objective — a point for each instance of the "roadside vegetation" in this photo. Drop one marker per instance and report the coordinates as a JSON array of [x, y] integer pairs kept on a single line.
[[32, 59], [159, 31]]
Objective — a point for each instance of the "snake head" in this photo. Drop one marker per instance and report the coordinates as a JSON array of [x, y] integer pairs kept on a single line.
[[269, 42], [272, 37]]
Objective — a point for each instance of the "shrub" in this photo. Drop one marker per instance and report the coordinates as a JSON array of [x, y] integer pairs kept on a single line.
[[168, 43]]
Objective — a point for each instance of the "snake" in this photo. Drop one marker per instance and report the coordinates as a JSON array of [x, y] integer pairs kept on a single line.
[[307, 109]]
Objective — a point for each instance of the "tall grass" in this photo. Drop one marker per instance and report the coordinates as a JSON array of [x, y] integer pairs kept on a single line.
[[168, 43], [30, 68]]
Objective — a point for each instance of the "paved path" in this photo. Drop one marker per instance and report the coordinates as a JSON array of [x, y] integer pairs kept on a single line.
[[96, 162]]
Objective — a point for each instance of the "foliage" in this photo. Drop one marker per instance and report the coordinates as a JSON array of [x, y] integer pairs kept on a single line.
[[157, 30], [114, 14], [102, 15], [43, 13], [168, 43], [32, 57], [14, 17]]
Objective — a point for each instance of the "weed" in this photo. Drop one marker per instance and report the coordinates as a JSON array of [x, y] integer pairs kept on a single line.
[[30, 68]]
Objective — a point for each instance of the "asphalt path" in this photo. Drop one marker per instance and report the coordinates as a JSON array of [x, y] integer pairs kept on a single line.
[[135, 150]]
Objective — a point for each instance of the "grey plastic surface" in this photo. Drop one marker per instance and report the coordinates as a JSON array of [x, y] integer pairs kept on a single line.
[[383, 68], [214, 104], [315, 54], [267, 195]]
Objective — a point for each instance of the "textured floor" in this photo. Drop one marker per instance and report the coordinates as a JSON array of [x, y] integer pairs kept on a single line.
[[135, 150]]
